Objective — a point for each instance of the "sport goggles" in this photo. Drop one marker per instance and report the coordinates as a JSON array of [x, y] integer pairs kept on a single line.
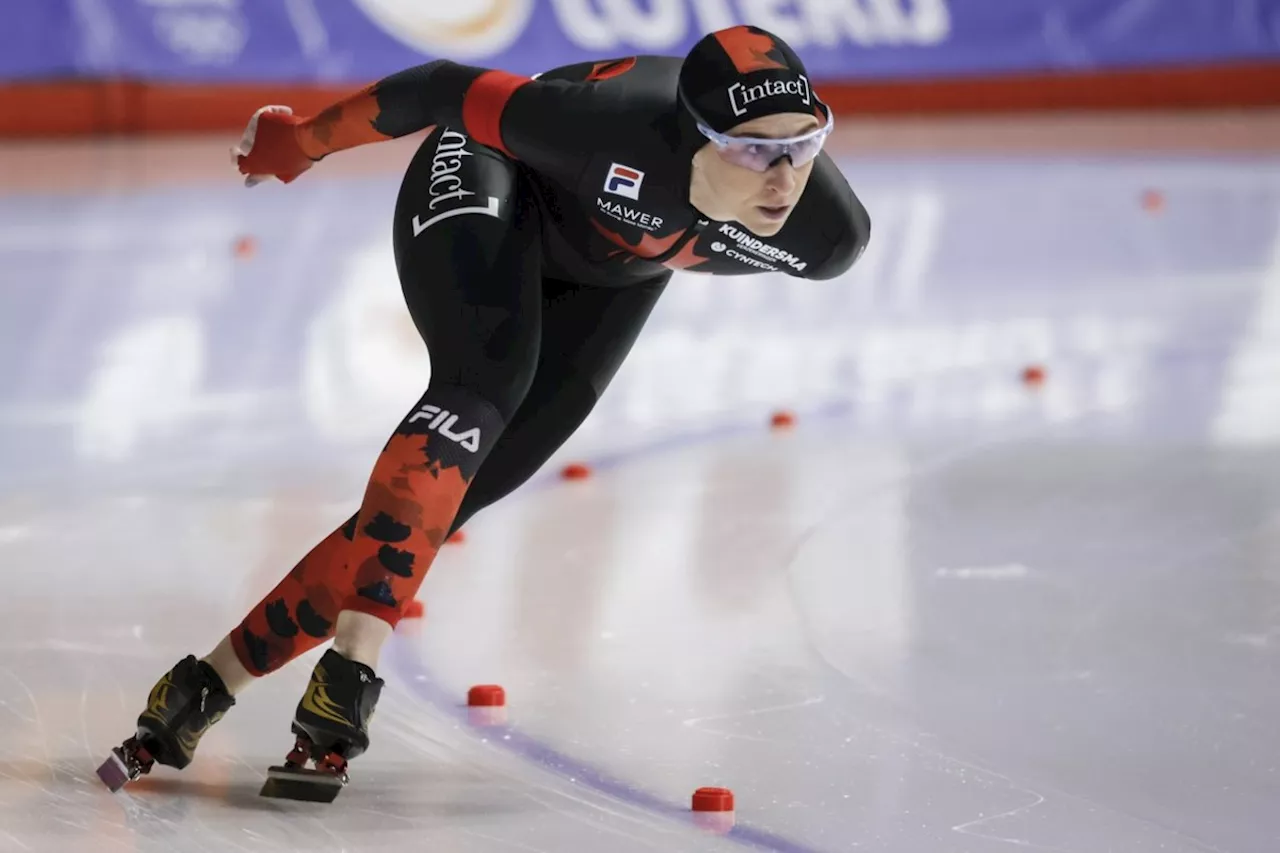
[[760, 153]]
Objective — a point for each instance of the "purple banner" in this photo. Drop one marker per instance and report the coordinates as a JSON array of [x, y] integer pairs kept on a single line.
[[37, 40], [340, 41]]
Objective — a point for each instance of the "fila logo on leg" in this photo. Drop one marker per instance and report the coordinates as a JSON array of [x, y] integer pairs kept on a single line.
[[624, 181], [442, 421]]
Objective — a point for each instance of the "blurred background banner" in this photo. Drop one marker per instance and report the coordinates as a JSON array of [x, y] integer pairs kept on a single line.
[[355, 41]]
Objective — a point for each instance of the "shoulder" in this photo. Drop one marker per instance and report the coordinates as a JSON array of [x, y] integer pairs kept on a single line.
[[843, 224], [620, 72], [639, 88]]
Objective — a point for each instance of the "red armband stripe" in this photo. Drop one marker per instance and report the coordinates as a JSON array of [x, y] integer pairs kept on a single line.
[[483, 104]]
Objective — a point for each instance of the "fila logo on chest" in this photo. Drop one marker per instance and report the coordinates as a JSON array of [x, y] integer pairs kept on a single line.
[[624, 181]]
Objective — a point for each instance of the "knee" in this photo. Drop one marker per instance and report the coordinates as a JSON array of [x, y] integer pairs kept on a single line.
[[460, 424], [502, 391], [549, 415], [563, 394]]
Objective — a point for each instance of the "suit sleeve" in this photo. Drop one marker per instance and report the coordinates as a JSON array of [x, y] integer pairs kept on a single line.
[[552, 125], [850, 245], [404, 103], [541, 122]]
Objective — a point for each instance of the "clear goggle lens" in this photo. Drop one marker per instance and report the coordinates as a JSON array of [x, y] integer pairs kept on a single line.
[[760, 153]]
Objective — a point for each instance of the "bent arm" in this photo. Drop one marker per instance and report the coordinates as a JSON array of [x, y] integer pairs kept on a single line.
[[549, 124], [403, 103]]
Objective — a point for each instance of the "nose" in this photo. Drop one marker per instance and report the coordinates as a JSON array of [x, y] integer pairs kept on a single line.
[[781, 177]]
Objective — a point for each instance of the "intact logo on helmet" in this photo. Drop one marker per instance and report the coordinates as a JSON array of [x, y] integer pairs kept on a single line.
[[740, 96]]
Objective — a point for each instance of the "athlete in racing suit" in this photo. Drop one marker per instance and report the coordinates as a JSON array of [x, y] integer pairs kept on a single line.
[[535, 229]]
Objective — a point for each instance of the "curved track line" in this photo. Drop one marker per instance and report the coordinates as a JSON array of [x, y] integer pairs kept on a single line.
[[417, 675]]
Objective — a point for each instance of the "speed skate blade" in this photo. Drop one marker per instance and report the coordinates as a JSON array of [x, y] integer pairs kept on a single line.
[[113, 772], [301, 783]]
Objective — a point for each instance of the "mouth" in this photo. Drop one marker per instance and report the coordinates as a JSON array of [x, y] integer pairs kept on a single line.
[[774, 213]]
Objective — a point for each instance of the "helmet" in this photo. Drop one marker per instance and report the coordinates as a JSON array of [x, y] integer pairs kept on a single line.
[[741, 73]]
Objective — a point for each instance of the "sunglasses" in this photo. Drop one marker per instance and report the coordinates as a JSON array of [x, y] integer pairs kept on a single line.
[[760, 153]]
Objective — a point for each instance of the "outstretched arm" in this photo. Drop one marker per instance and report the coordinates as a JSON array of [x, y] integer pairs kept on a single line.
[[404, 103], [524, 118], [280, 144]]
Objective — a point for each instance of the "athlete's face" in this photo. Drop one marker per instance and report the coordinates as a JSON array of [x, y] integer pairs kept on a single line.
[[762, 201]]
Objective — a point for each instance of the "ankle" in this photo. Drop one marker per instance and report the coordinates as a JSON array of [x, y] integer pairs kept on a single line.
[[359, 637], [223, 661]]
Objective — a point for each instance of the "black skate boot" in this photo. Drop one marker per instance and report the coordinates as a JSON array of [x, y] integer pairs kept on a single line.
[[332, 727], [185, 702]]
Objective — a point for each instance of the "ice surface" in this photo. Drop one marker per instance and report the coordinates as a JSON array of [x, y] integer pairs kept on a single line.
[[946, 613]]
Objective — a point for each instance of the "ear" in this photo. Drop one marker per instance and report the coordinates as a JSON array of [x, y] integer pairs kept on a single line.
[[700, 156], [696, 162]]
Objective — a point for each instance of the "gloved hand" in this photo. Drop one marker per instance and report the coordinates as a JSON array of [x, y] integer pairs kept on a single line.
[[270, 148]]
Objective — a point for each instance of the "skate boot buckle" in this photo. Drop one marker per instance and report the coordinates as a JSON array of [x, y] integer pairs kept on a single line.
[[125, 764], [293, 780]]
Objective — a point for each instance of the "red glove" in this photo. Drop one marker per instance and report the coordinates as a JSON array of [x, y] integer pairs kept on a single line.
[[270, 147]]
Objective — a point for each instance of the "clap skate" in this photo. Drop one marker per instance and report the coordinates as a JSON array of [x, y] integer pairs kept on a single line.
[[331, 725], [183, 704]]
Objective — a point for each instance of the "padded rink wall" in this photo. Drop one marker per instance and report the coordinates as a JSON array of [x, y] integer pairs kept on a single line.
[[85, 67]]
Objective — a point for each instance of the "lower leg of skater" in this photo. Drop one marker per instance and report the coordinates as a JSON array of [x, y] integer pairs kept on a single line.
[[296, 616], [414, 493]]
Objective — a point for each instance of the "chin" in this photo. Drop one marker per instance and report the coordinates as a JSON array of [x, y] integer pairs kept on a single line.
[[766, 227], [766, 224]]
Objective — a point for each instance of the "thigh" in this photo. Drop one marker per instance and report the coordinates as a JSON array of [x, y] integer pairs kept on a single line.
[[588, 331], [467, 248]]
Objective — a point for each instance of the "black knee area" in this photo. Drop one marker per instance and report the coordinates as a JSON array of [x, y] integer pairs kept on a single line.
[[557, 404], [565, 394], [462, 428]]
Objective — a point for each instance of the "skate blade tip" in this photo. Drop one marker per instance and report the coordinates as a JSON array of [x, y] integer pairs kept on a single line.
[[300, 783], [113, 774]]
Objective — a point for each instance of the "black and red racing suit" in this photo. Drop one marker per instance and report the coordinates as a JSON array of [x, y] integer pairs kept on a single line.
[[609, 151], [535, 229]]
